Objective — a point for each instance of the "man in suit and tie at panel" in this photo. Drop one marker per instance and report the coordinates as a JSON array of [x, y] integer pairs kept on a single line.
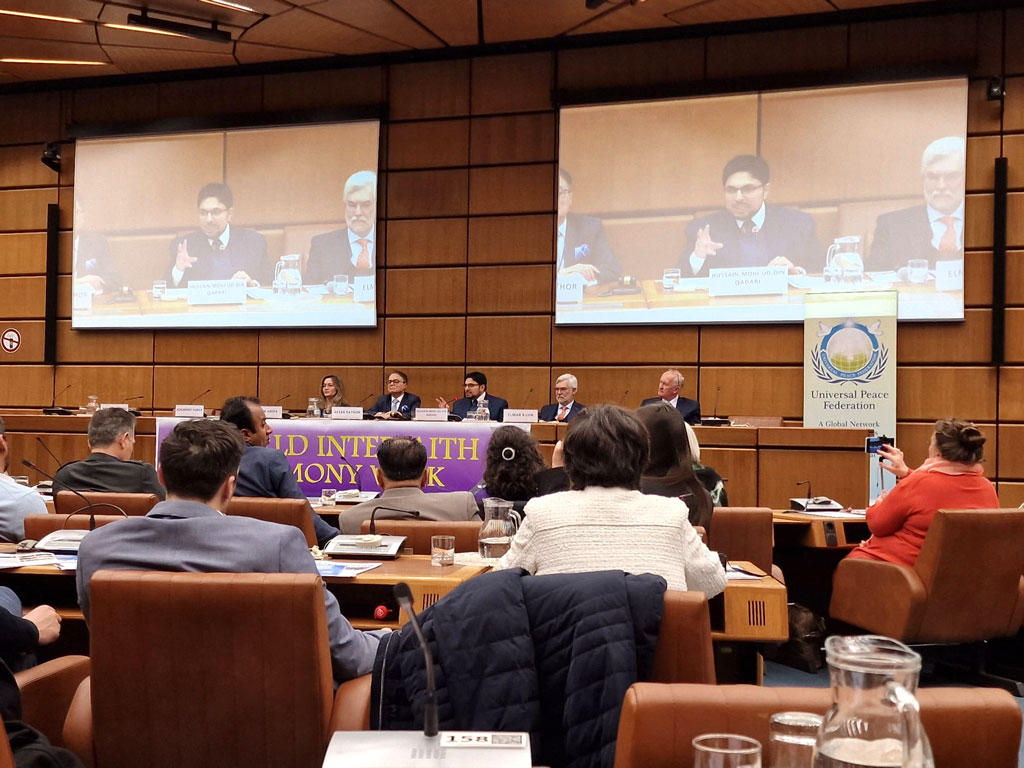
[[396, 402], [217, 250], [582, 246], [352, 250], [669, 384], [475, 389], [189, 532], [565, 407]]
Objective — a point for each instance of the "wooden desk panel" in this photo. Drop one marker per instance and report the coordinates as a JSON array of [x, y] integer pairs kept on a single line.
[[799, 529], [738, 466], [753, 611], [841, 475], [721, 437]]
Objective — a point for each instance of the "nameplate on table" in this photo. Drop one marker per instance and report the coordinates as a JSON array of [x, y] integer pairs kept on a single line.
[[189, 411], [364, 288], [569, 289], [347, 413], [273, 411], [81, 297], [748, 281], [216, 292], [949, 275], [431, 414], [520, 416], [119, 406]]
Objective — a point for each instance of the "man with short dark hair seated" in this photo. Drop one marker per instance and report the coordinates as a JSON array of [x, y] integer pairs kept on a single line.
[[265, 473], [403, 474], [199, 464], [110, 467]]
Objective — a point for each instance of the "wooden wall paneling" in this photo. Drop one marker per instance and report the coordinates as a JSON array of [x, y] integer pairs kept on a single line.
[[1010, 458], [120, 346], [66, 178], [30, 118], [978, 279], [428, 89], [219, 96], [522, 386], [981, 154], [512, 189], [513, 139], [24, 253], [425, 340], [1011, 394], [1013, 104], [425, 194], [174, 384], [626, 386], [1013, 150], [22, 297], [788, 50], [509, 289], [429, 144], [983, 116], [511, 83], [950, 342], [662, 63], [426, 242], [440, 291], [902, 42], [110, 383], [1015, 278], [66, 447], [989, 57], [1010, 494], [509, 339], [26, 386], [928, 393], [299, 383], [25, 209], [329, 347], [913, 440], [122, 104], [348, 87], [762, 391], [64, 297], [978, 213], [20, 167], [206, 346], [504, 239], [782, 344], [738, 466], [841, 475], [672, 345], [429, 382], [1015, 336], [32, 342], [1014, 219]]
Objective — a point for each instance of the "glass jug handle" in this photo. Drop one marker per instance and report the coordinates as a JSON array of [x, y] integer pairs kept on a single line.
[[916, 749], [516, 519]]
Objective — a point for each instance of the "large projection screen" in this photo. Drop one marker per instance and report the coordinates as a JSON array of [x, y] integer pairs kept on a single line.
[[853, 188], [227, 229]]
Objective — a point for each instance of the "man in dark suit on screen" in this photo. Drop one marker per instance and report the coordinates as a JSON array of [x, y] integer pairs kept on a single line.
[[353, 250], [218, 251], [748, 232], [565, 407], [582, 246], [669, 384], [92, 263], [396, 402]]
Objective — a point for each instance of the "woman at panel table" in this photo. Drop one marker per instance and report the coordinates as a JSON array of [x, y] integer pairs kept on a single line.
[[332, 393], [514, 470], [605, 522], [950, 478]]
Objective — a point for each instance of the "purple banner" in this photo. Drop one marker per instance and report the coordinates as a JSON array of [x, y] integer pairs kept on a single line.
[[331, 454]]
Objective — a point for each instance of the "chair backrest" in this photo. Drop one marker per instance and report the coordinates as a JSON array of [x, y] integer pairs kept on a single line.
[[966, 726], [684, 653], [970, 565], [37, 526], [418, 532], [743, 533], [209, 669], [294, 512], [66, 502]]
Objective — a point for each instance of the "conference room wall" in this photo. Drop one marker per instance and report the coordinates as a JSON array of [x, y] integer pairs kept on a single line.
[[467, 205]]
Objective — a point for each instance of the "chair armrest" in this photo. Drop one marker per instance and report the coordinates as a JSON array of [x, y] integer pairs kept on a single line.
[[352, 705], [77, 734], [46, 693], [884, 598]]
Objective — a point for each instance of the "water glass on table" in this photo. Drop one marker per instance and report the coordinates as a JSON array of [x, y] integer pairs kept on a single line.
[[442, 549], [726, 750], [327, 497], [791, 738]]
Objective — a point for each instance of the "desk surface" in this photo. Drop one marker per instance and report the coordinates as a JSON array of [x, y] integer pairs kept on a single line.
[[817, 532]]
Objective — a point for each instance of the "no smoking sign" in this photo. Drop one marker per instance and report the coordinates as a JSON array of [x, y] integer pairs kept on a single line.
[[10, 340]]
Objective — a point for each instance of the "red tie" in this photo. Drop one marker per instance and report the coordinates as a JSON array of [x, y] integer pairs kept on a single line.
[[561, 413], [363, 262], [949, 240]]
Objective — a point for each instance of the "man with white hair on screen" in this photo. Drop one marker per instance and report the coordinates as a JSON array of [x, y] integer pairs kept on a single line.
[[933, 230], [353, 249]]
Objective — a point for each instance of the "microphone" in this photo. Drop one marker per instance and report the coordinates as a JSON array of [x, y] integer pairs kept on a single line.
[[714, 412], [623, 398], [373, 514], [204, 392], [134, 411], [284, 414], [715, 420], [355, 475], [47, 449], [808, 484], [89, 505], [404, 597], [366, 398], [57, 410]]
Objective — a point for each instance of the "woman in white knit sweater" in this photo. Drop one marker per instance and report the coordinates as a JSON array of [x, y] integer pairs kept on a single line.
[[605, 523]]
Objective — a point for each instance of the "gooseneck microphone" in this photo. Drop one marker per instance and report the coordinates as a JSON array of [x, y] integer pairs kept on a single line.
[[623, 398], [89, 507], [355, 473], [57, 410], [134, 411], [373, 515], [366, 398], [204, 392], [284, 414], [276, 402], [808, 484], [404, 597], [47, 449], [714, 412]]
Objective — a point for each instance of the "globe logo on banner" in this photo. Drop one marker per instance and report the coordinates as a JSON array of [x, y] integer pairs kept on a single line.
[[849, 352]]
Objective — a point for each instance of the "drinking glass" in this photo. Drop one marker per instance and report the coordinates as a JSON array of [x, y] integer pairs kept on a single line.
[[442, 550], [159, 288], [791, 737], [726, 750], [340, 285], [917, 270], [93, 405], [327, 496], [670, 279]]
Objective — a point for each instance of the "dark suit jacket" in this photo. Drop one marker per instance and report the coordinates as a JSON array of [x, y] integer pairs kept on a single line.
[[587, 230], [246, 251], [903, 235], [495, 406], [410, 403], [94, 259], [689, 408], [265, 473], [330, 254], [787, 232], [100, 472], [550, 411]]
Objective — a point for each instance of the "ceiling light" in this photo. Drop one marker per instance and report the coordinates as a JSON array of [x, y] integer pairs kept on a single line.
[[144, 29], [42, 16], [210, 33], [230, 5], [54, 61]]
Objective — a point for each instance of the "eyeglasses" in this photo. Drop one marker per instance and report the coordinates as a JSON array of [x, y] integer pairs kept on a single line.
[[952, 178], [212, 213], [396, 381], [746, 189], [562, 389], [360, 206], [564, 191]]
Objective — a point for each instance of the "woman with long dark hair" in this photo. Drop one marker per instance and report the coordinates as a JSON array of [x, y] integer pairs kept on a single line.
[[669, 470]]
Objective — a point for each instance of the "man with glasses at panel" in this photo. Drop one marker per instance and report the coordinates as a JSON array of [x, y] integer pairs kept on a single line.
[[353, 250], [396, 403], [581, 244], [218, 250], [933, 230], [749, 232]]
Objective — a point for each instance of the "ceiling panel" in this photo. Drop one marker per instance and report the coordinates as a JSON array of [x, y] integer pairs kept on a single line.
[[76, 9], [647, 15], [251, 53], [710, 11], [454, 21], [14, 47], [132, 59], [298, 28], [136, 39], [506, 20], [194, 9], [14, 26], [846, 5], [381, 17]]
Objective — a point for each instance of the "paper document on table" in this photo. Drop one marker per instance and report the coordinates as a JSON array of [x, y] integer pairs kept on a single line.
[[828, 513], [732, 573], [20, 559], [67, 562], [334, 568]]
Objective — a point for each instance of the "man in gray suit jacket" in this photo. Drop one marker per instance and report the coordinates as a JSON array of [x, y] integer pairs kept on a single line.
[[403, 473], [189, 532]]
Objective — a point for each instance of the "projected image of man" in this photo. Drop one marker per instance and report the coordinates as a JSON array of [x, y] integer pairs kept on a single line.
[[749, 232], [933, 230], [582, 246], [91, 261], [218, 251], [352, 250]]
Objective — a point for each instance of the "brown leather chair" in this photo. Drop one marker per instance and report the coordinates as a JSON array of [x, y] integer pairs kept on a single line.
[[66, 502], [418, 532], [294, 512], [47, 690], [967, 727], [205, 669], [37, 526], [743, 533]]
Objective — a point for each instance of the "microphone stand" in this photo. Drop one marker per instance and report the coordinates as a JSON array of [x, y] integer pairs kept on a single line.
[[404, 597], [90, 506], [373, 515]]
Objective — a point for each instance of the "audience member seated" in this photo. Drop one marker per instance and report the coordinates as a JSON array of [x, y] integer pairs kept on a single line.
[[713, 482], [109, 466], [199, 463], [21, 633], [16, 501], [950, 478], [605, 521], [332, 393], [515, 471], [265, 472], [403, 474], [669, 470]]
